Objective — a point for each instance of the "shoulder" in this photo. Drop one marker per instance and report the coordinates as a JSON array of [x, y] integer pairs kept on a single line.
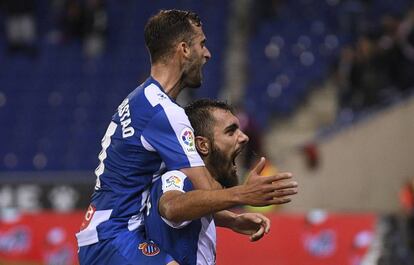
[[156, 96]]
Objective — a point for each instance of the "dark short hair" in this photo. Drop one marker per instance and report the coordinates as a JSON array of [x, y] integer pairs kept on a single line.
[[166, 28], [199, 114]]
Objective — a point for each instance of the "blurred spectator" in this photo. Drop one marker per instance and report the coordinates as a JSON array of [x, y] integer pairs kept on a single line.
[[95, 28], [390, 50], [265, 9], [364, 72], [379, 68], [20, 26], [343, 72], [72, 20], [406, 197], [351, 16], [86, 21], [405, 78]]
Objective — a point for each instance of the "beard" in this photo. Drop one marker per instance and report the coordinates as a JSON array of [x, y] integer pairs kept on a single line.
[[222, 171], [194, 77]]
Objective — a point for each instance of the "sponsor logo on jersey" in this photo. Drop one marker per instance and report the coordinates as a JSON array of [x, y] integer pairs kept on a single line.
[[161, 96], [187, 138], [173, 181], [149, 248]]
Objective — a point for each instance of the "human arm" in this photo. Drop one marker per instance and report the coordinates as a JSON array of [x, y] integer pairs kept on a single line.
[[255, 225], [258, 191]]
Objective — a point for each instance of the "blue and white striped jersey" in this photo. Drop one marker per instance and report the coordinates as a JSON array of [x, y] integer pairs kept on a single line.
[[148, 135], [188, 243]]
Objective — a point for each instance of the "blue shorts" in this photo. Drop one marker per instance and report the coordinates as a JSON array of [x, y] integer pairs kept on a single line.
[[128, 248]]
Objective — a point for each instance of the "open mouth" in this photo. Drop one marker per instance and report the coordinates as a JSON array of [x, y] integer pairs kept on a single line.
[[235, 155]]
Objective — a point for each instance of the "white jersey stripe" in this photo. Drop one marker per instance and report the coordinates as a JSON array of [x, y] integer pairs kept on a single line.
[[89, 235], [106, 141], [154, 95], [206, 250], [147, 145]]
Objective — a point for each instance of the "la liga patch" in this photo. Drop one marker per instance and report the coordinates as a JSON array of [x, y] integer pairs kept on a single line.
[[173, 181], [188, 141]]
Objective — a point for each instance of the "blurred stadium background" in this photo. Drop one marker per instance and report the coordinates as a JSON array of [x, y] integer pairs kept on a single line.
[[324, 88]]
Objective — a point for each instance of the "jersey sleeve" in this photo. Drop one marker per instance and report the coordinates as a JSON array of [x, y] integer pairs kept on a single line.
[[170, 134], [175, 180], [178, 181]]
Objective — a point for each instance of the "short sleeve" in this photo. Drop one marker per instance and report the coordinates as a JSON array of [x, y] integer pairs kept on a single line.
[[178, 181], [175, 180], [170, 134]]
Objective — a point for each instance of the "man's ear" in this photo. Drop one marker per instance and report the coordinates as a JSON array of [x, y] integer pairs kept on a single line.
[[184, 49], [202, 145]]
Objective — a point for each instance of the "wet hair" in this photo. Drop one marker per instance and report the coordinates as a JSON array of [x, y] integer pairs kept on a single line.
[[166, 28], [199, 114]]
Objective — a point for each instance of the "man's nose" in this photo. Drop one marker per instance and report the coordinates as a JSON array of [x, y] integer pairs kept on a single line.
[[243, 138], [207, 54]]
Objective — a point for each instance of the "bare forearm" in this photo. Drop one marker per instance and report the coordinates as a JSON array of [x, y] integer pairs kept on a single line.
[[196, 204], [224, 218], [209, 197], [201, 178]]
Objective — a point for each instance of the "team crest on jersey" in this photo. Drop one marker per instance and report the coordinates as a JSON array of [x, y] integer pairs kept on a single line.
[[187, 138], [149, 248]]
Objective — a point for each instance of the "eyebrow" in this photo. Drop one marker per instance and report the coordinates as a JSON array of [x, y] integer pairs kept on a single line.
[[231, 127]]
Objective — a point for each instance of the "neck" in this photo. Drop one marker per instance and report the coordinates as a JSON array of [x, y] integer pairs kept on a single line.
[[169, 76], [211, 169]]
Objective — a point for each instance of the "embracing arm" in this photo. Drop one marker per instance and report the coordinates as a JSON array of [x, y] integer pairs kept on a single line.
[[194, 205], [258, 191]]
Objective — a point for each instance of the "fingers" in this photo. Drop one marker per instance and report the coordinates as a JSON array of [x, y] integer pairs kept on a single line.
[[259, 166], [281, 196], [285, 192], [278, 177], [258, 235], [287, 186], [278, 201], [270, 190], [265, 222]]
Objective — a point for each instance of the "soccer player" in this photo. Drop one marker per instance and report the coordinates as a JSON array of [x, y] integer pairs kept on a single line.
[[219, 140], [149, 135]]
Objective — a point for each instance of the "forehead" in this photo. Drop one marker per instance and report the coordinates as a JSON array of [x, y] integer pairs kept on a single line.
[[198, 32], [223, 118]]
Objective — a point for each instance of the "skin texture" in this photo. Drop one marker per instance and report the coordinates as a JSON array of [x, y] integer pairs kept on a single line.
[[183, 68], [198, 56], [228, 141]]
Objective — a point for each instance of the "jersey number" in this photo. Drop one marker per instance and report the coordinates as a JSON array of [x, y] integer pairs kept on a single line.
[[106, 141]]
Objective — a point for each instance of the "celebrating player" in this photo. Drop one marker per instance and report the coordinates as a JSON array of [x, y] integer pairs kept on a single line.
[[149, 135], [219, 140]]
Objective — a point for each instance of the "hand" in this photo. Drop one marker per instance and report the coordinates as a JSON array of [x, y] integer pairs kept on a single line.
[[262, 191], [255, 225]]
